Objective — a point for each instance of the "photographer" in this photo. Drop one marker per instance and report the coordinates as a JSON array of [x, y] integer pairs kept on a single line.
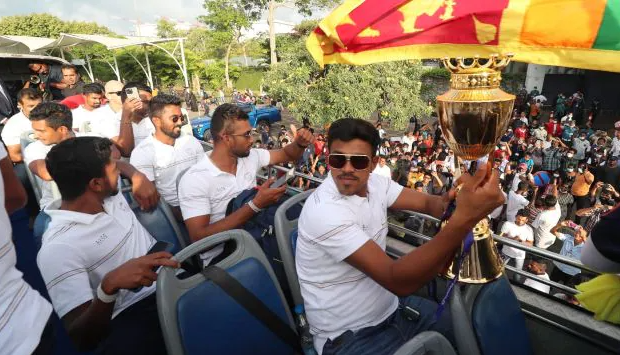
[[48, 79]]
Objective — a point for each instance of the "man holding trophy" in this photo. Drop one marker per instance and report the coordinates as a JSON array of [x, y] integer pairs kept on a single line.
[[357, 299]]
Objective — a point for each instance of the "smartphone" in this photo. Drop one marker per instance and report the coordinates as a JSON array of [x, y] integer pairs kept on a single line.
[[284, 178], [132, 93], [156, 248]]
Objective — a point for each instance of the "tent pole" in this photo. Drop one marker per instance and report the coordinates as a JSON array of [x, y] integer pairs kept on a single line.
[[184, 63], [89, 70], [148, 66], [116, 71]]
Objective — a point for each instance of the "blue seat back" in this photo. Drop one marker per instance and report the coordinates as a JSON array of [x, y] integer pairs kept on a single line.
[[41, 223], [161, 224], [197, 317], [287, 242], [498, 321]]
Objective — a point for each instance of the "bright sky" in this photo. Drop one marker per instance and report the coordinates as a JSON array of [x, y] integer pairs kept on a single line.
[[121, 15]]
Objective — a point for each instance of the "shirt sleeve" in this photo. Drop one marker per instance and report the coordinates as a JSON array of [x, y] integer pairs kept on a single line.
[[338, 236], [141, 160], [193, 197], [34, 152], [262, 157], [65, 276], [9, 133], [393, 190]]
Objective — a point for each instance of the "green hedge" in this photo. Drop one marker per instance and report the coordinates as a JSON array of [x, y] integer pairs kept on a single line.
[[250, 78]]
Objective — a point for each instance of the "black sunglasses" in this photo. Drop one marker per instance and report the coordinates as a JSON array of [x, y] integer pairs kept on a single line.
[[338, 161]]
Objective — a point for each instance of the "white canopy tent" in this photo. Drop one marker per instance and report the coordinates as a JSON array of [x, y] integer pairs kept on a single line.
[[70, 39], [23, 44]]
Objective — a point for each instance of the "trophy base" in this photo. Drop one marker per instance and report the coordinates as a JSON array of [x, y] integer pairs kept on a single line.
[[482, 264]]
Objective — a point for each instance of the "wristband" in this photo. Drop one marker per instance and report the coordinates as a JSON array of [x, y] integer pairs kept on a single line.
[[254, 207], [104, 297]]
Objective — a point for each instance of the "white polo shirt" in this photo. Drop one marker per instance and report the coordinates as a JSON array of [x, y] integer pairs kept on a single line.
[[383, 171], [23, 312], [337, 296], [17, 125], [205, 190], [79, 249], [524, 233], [108, 125], [543, 224], [38, 151], [537, 285], [163, 163], [515, 203], [82, 119]]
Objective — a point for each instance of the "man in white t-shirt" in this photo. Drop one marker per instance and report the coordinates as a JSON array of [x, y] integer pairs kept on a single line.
[[350, 286], [85, 114], [545, 221], [93, 257], [408, 138], [382, 169], [538, 268], [520, 232], [230, 168], [52, 124], [516, 201], [27, 99], [25, 326], [166, 155]]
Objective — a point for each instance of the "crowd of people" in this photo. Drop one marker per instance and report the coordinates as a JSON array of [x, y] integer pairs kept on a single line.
[[557, 179]]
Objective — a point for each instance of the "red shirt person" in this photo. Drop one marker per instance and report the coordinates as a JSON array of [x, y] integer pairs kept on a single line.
[[553, 127]]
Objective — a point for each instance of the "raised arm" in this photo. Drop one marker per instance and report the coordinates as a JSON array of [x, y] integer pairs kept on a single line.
[[293, 151]]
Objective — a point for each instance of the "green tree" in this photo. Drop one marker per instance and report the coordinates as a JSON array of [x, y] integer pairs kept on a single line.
[[46, 25], [228, 19], [166, 29], [341, 90]]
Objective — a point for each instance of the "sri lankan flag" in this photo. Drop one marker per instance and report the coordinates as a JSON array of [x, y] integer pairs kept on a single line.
[[572, 33]]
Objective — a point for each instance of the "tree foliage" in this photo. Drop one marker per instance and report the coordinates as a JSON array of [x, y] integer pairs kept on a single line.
[[46, 25], [341, 90]]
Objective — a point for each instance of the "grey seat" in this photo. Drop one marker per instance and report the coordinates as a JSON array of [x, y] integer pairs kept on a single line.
[[197, 317], [427, 343], [285, 228]]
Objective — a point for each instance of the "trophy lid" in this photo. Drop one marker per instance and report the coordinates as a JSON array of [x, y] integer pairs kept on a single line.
[[475, 73]]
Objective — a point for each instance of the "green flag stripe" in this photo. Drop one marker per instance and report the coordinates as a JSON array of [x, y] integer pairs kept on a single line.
[[609, 33]]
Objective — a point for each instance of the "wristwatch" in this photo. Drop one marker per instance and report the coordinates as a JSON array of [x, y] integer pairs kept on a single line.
[[104, 297]]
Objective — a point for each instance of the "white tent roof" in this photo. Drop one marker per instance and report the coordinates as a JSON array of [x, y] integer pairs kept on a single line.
[[23, 44], [73, 39]]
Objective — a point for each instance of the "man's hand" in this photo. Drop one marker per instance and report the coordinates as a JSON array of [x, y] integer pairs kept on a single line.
[[136, 272], [267, 196], [304, 137], [132, 105], [479, 195], [144, 191]]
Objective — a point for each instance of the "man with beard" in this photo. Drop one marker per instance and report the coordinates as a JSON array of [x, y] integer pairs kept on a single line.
[[165, 155], [230, 168], [84, 114], [93, 256]]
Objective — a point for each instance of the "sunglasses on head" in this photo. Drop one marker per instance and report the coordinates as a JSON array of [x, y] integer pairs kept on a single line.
[[338, 161]]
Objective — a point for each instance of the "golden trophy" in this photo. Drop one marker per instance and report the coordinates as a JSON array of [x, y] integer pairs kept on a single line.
[[473, 115]]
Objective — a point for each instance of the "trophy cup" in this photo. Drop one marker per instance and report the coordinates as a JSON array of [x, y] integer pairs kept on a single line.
[[473, 115]]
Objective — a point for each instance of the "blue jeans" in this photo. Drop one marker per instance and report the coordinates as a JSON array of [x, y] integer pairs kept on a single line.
[[391, 334]]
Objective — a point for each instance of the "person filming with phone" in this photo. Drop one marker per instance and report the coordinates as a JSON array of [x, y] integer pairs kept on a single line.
[[230, 168], [95, 258]]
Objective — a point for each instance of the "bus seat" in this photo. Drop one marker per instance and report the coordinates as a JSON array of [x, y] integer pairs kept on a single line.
[[427, 343], [287, 240], [197, 317], [25, 140], [40, 226], [160, 223], [487, 319]]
